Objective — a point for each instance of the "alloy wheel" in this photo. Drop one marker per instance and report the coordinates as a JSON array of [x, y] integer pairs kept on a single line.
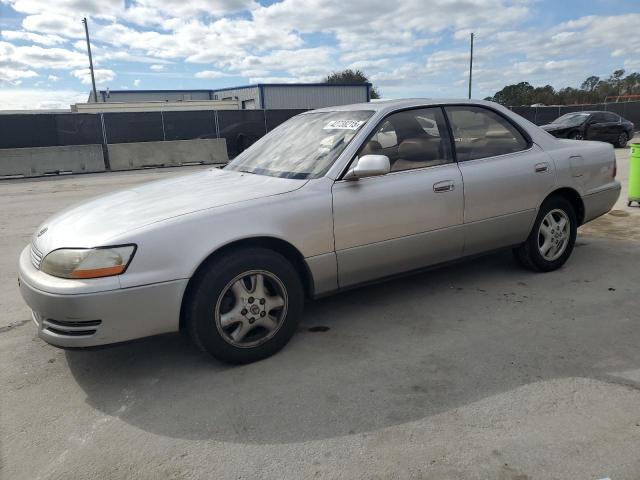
[[622, 140], [251, 308], [554, 234]]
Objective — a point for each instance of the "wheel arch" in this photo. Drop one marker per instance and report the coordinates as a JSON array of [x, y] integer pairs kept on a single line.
[[275, 244], [573, 197]]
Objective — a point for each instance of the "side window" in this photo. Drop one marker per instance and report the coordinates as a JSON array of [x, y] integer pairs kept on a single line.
[[598, 118], [611, 118], [411, 139], [479, 132], [386, 136]]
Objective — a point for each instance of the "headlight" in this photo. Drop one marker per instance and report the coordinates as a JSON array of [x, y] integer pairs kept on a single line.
[[88, 262]]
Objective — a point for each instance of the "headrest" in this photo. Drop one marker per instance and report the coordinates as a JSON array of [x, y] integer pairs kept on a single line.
[[419, 149]]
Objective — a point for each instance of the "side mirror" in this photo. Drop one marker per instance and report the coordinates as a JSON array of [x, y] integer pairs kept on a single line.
[[369, 166]]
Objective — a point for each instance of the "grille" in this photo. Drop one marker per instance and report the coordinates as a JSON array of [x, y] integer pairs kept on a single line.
[[36, 256]]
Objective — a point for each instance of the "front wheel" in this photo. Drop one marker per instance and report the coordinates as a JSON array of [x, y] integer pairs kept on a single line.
[[244, 306], [552, 238], [622, 140]]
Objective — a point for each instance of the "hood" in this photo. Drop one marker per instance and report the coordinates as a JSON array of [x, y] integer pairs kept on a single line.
[[101, 219], [554, 126]]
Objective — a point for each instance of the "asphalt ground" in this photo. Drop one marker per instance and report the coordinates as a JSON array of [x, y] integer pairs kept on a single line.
[[480, 370]]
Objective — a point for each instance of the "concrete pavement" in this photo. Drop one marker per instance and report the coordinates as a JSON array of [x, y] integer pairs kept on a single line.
[[474, 371]]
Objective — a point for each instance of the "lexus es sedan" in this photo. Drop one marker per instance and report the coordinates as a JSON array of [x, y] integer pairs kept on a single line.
[[329, 200], [602, 126]]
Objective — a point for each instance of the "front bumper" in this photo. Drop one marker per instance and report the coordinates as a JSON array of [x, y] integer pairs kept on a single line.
[[97, 318]]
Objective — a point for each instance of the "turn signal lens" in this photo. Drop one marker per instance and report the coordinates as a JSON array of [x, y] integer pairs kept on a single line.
[[88, 262]]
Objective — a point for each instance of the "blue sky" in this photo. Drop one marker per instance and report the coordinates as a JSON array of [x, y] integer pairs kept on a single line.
[[409, 48]]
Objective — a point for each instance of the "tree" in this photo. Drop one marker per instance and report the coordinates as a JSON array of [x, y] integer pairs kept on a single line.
[[616, 80], [590, 83], [631, 84], [351, 76], [513, 95], [592, 90]]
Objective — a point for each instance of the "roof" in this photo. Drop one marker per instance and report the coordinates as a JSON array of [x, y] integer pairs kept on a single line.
[[261, 85], [384, 105], [254, 85]]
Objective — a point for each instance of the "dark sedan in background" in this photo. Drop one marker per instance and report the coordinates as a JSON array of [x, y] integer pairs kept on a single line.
[[602, 126]]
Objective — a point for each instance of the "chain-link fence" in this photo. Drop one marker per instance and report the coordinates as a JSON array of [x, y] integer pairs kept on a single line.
[[544, 115], [240, 128]]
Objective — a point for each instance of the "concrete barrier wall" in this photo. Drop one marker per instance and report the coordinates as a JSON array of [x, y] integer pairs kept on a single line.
[[32, 162], [127, 156]]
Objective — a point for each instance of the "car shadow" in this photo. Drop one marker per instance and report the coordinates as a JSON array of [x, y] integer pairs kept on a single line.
[[385, 354]]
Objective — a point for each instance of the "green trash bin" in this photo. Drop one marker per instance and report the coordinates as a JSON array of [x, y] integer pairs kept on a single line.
[[634, 174]]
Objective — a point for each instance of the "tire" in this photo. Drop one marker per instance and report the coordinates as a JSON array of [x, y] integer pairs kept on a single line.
[[530, 253], [622, 140], [224, 308]]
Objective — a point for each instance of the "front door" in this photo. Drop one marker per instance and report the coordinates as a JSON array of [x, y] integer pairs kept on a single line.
[[411, 217]]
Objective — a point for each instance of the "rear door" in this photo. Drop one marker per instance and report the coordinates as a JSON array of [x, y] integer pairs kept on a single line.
[[505, 176], [614, 126], [408, 218], [598, 128]]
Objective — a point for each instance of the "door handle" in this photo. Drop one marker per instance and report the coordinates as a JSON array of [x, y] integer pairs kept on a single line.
[[542, 167], [444, 186]]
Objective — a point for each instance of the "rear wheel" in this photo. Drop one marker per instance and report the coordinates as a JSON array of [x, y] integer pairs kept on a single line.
[[552, 238], [622, 140], [245, 306]]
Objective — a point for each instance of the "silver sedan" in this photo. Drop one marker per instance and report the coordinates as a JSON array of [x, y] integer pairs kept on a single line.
[[331, 199]]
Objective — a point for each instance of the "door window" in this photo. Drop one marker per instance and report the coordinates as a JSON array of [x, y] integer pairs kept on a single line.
[[411, 139], [479, 132], [611, 118]]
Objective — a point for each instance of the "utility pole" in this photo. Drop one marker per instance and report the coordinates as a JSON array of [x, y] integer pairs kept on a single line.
[[93, 78], [471, 66]]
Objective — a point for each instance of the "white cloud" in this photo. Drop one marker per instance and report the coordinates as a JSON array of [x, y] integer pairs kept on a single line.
[[136, 82], [34, 56], [53, 78], [54, 24], [102, 75], [210, 74], [182, 8], [534, 68], [46, 40], [23, 99], [14, 76], [406, 46], [78, 7]]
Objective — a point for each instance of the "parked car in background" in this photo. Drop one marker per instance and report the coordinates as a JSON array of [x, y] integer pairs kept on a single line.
[[329, 200], [603, 126]]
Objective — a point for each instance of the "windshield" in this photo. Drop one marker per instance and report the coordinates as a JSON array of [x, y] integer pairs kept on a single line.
[[572, 119], [303, 147]]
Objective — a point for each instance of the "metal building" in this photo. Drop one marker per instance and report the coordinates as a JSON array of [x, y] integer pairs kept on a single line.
[[272, 96]]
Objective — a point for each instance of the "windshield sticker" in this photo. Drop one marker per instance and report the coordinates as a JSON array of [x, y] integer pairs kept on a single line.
[[343, 125]]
